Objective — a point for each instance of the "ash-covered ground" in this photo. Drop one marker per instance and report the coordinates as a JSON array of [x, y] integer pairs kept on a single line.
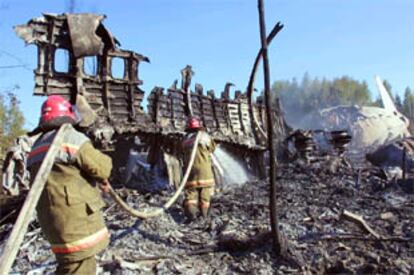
[[235, 240]]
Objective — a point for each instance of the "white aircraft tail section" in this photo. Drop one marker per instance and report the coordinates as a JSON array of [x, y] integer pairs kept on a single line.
[[387, 101]]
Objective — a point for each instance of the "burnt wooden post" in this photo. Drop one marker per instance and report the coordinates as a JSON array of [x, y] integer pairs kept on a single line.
[[274, 221], [250, 87]]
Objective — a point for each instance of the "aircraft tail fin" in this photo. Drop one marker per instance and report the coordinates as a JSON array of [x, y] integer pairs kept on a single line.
[[387, 101]]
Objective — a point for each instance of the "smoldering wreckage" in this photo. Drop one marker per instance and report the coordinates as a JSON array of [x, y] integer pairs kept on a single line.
[[341, 212]]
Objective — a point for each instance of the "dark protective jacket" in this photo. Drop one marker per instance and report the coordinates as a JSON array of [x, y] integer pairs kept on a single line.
[[201, 174], [69, 206]]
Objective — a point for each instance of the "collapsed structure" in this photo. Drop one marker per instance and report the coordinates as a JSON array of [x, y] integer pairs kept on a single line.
[[118, 101], [370, 126], [111, 102], [314, 199]]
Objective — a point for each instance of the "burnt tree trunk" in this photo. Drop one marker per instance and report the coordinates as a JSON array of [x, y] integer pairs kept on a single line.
[[274, 222]]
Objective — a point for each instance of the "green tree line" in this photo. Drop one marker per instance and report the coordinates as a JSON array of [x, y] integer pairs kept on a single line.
[[11, 121]]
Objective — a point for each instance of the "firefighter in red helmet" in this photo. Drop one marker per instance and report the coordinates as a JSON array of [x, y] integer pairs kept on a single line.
[[200, 184], [56, 108], [69, 206]]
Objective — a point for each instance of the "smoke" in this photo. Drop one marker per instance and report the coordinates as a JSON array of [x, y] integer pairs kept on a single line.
[[234, 172], [71, 6], [302, 99]]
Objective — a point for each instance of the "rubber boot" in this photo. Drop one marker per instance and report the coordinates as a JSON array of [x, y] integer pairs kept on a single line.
[[191, 212], [205, 212]]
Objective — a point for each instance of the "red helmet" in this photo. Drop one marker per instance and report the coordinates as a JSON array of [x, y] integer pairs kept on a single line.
[[194, 123], [56, 106]]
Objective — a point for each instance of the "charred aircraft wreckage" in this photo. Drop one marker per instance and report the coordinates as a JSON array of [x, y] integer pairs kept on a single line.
[[146, 144], [112, 106], [110, 103], [145, 149], [380, 135], [370, 127]]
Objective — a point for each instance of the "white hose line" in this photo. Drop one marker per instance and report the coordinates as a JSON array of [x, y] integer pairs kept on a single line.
[[159, 210]]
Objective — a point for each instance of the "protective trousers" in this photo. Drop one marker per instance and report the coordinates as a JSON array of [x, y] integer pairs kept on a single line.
[[197, 198], [85, 267]]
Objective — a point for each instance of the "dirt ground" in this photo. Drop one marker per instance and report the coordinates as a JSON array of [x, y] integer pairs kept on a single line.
[[235, 240]]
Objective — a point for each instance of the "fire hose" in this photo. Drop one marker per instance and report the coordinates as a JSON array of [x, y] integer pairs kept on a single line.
[[89, 114], [159, 210], [12, 245]]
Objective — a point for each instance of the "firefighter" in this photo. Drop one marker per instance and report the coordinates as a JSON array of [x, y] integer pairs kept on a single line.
[[200, 184], [69, 206]]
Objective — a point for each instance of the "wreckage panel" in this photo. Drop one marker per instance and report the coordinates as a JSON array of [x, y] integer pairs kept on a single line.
[[221, 116], [47, 76], [160, 108], [114, 94], [208, 114], [233, 113], [178, 108], [196, 105], [245, 118]]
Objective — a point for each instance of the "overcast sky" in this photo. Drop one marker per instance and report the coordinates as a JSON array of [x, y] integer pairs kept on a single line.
[[220, 38]]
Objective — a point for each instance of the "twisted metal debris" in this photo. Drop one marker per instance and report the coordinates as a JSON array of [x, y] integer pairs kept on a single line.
[[116, 97], [312, 199]]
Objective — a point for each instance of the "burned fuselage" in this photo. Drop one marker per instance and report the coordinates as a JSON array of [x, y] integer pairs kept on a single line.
[[369, 126], [117, 101], [111, 102]]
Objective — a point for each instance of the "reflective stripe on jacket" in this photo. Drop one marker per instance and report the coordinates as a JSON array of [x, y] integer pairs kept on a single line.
[[67, 153], [201, 174], [69, 206], [82, 244]]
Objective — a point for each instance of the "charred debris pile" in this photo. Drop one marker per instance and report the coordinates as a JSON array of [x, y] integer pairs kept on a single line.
[[339, 213], [337, 219]]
